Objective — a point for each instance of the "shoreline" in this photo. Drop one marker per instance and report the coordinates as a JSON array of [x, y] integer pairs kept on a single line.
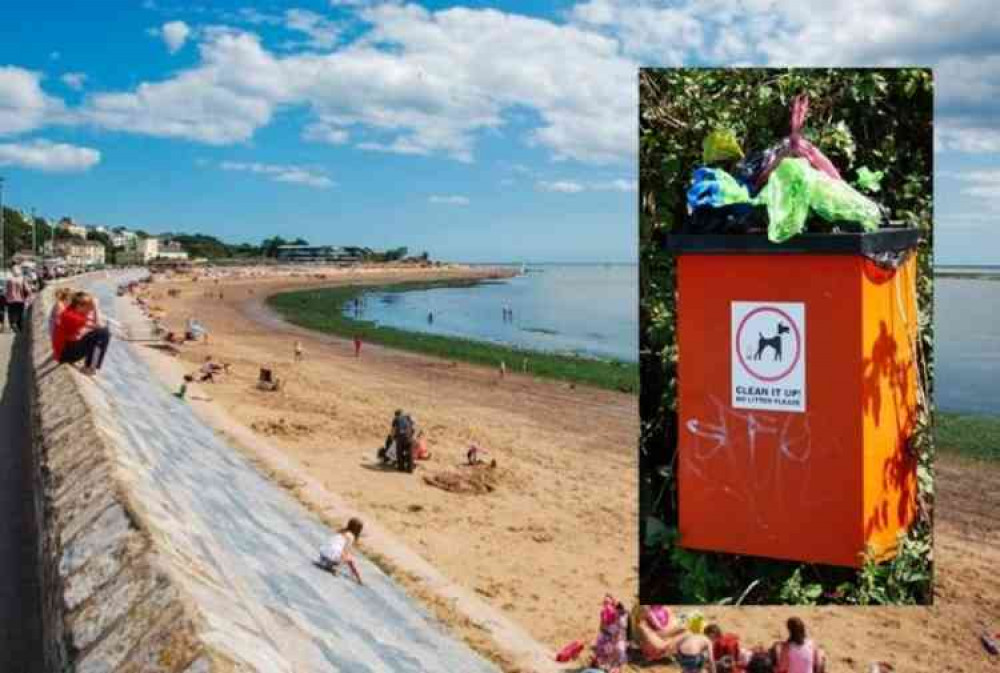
[[321, 310]]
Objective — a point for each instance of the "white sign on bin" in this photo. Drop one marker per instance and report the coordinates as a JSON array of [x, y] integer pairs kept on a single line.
[[769, 355]]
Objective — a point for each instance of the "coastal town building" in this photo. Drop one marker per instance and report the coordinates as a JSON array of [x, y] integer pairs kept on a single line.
[[80, 253], [123, 238], [67, 225], [171, 250], [145, 250], [317, 253]]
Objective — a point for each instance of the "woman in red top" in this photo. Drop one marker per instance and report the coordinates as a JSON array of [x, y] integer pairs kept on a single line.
[[80, 336]]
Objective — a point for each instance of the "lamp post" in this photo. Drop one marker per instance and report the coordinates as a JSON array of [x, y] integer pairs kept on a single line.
[[34, 241], [1, 226]]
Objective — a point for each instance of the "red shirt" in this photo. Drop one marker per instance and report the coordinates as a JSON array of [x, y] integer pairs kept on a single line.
[[727, 646], [71, 323]]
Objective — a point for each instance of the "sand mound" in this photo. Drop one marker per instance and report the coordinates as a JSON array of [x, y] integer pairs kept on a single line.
[[472, 479], [281, 428]]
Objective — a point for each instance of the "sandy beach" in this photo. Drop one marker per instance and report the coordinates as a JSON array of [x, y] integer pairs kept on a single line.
[[548, 533], [552, 529]]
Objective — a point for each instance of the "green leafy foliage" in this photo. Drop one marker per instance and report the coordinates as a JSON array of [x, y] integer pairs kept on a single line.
[[17, 232], [873, 119]]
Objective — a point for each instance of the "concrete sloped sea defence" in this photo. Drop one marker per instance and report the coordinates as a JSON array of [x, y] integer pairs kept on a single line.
[[165, 550]]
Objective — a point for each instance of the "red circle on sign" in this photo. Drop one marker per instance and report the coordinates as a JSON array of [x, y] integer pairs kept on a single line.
[[739, 340]]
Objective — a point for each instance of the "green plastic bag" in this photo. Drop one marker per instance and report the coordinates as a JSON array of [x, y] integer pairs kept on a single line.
[[720, 145], [869, 180], [794, 188]]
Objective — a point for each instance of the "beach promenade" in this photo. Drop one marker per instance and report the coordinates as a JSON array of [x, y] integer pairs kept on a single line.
[[242, 548], [20, 624]]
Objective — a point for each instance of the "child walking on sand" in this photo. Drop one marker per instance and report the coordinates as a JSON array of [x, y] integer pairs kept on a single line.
[[298, 351], [337, 551]]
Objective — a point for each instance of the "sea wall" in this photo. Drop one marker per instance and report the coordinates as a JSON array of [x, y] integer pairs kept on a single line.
[[108, 603]]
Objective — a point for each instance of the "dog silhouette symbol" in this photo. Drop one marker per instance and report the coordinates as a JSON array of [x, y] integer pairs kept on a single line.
[[773, 342]]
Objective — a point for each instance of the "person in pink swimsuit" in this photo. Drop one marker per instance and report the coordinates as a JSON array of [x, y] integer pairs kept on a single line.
[[798, 654]]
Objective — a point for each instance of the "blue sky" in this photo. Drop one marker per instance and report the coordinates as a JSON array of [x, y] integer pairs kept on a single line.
[[476, 131]]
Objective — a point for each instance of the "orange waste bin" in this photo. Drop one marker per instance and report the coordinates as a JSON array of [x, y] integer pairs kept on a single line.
[[797, 378]]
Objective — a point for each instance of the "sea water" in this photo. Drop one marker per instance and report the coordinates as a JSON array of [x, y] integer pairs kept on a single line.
[[592, 310], [967, 345], [589, 310]]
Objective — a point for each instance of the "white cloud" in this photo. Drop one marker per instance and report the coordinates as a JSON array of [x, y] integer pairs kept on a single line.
[[839, 33], [422, 82], [418, 82], [226, 99], [282, 173], [575, 186], [561, 186], [23, 104], [325, 132], [619, 185], [958, 136], [322, 32], [74, 80], [175, 34], [254, 16], [983, 184], [452, 200], [43, 155]]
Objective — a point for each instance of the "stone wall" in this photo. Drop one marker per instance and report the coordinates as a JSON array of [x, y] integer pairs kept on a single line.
[[108, 604]]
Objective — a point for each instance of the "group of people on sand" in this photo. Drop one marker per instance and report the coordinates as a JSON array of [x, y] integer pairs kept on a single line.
[[78, 331], [660, 636], [404, 445]]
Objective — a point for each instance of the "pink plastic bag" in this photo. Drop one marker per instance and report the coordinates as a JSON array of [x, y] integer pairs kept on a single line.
[[797, 146]]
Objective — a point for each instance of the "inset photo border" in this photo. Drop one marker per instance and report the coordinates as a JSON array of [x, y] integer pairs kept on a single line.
[[786, 339]]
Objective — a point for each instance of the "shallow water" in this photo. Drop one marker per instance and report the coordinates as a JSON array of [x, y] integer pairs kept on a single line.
[[967, 345], [589, 310]]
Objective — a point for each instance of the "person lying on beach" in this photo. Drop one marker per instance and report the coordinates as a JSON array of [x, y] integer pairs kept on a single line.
[[656, 632], [798, 654], [337, 550], [694, 654], [79, 335]]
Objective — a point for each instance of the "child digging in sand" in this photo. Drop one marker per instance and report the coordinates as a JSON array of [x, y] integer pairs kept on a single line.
[[337, 551]]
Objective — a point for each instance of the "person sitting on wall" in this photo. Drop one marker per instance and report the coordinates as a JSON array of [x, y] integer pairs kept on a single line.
[[80, 335]]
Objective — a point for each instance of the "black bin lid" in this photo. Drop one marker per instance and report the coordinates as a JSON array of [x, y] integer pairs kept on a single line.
[[869, 244]]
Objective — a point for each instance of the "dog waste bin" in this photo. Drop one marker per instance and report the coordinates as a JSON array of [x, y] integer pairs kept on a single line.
[[797, 394]]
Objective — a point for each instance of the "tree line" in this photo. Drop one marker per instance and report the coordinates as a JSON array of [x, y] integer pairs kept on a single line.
[[18, 238]]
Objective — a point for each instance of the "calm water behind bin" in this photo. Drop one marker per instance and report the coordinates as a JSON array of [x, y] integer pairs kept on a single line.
[[967, 345], [589, 310]]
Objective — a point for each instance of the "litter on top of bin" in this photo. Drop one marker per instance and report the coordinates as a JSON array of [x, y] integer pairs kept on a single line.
[[791, 181], [721, 145]]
